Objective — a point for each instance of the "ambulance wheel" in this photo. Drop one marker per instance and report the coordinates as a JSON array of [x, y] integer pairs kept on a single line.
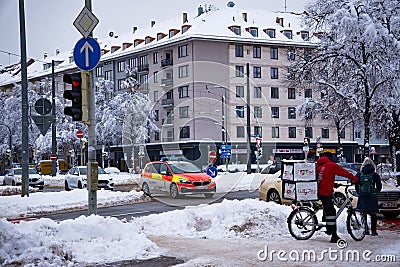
[[174, 191], [146, 189]]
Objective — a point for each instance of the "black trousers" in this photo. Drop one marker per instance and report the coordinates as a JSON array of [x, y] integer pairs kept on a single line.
[[329, 214]]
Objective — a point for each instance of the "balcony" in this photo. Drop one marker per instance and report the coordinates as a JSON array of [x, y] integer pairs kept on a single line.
[[167, 103], [168, 82], [166, 62], [144, 67]]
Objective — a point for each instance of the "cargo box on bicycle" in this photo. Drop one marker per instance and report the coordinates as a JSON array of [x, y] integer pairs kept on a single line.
[[299, 181]]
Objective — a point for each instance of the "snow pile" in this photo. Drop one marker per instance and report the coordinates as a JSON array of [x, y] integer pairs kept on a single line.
[[42, 203], [47, 243], [228, 219]]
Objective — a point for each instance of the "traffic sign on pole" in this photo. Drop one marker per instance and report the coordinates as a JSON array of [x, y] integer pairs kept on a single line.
[[258, 142], [87, 53], [79, 134], [212, 171], [53, 157], [86, 22], [213, 156]]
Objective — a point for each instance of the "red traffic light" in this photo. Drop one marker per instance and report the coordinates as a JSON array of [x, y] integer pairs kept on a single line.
[[75, 95]]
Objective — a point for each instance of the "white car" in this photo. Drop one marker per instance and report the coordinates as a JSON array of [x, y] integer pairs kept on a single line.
[[14, 177], [77, 178]]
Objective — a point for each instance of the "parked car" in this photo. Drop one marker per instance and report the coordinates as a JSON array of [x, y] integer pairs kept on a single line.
[[176, 178], [77, 178], [14, 177], [388, 199]]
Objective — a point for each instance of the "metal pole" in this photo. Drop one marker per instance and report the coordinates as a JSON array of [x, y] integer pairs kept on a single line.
[[25, 123], [248, 120], [53, 125], [92, 163]]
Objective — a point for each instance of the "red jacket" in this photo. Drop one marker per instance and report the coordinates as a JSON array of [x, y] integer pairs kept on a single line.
[[326, 171]]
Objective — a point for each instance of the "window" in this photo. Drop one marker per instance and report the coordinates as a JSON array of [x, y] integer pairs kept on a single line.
[[309, 132], [258, 131], [288, 34], [183, 71], [307, 93], [274, 53], [183, 91], [155, 95], [275, 112], [291, 54], [160, 36], [275, 132], [184, 132], [291, 93], [184, 112], [108, 75], [132, 62], [99, 71], [239, 71], [156, 115], [291, 113], [274, 73], [256, 72], [156, 136], [144, 81], [357, 135], [239, 111], [182, 51], [155, 57], [257, 92], [257, 112], [304, 35], [254, 32], [236, 30], [239, 91], [121, 84], [343, 133], [325, 133], [257, 51], [239, 131], [239, 50], [292, 132], [171, 33], [170, 117], [274, 92], [271, 33], [155, 77], [144, 60]]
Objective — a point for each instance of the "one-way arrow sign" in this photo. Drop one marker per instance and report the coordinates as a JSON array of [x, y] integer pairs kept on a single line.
[[87, 53]]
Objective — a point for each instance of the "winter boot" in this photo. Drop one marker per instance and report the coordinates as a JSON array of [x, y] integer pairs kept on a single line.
[[374, 222]]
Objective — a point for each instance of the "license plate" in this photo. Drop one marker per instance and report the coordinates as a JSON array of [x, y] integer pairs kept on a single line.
[[202, 187], [389, 205]]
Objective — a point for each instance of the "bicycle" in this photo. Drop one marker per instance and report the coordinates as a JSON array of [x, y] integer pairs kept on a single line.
[[303, 222]]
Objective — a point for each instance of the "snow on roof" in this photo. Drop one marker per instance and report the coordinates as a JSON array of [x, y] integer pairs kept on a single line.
[[213, 24]]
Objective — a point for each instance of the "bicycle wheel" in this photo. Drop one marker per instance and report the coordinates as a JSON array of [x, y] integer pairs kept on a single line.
[[356, 225], [302, 223]]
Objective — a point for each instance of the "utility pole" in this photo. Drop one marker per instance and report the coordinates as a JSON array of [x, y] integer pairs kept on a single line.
[[25, 122], [248, 120], [53, 125]]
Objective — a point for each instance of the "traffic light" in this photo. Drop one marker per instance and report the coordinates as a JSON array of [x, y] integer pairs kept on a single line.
[[8, 153], [75, 95]]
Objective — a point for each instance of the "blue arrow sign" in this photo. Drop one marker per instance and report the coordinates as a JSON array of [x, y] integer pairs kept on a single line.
[[87, 53], [212, 171], [226, 147]]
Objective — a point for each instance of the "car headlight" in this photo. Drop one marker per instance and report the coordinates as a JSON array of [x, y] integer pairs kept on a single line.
[[183, 181], [353, 192]]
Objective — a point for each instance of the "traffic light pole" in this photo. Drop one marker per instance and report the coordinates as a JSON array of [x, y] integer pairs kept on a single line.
[[92, 163]]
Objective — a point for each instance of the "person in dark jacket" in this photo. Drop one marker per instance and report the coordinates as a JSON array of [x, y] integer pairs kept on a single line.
[[326, 172], [369, 204]]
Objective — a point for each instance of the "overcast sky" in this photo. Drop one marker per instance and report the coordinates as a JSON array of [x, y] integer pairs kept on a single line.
[[49, 22]]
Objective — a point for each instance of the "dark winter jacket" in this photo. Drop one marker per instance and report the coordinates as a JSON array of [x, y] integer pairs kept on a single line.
[[369, 203], [326, 172]]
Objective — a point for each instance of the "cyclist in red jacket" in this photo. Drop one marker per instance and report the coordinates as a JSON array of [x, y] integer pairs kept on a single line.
[[326, 172]]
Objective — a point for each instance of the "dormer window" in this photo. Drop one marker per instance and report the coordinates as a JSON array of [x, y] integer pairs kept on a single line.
[[235, 29], [148, 39], [126, 45], [253, 31], [270, 33], [71, 59], [288, 34], [185, 28], [160, 35], [172, 33], [319, 35], [104, 51], [304, 35], [114, 48], [137, 42]]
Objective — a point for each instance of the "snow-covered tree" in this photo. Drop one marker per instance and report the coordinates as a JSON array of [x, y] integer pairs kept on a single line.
[[355, 43]]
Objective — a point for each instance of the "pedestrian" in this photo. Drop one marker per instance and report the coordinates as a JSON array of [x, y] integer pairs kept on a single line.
[[326, 172], [368, 188]]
